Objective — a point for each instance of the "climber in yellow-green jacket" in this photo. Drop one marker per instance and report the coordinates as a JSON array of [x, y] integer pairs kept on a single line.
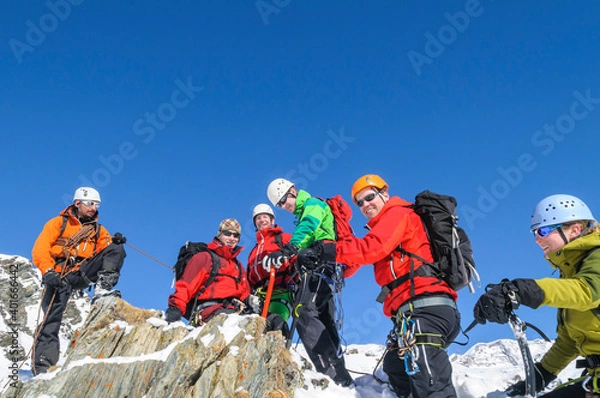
[[567, 232]]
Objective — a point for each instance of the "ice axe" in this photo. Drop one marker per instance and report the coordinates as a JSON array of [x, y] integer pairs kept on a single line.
[[267, 302]]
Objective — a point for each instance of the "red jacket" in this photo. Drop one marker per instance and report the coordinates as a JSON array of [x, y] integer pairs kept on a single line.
[[47, 248], [395, 225], [230, 281], [265, 244]]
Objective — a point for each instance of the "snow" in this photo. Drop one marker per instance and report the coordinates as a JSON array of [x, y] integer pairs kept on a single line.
[[157, 322]]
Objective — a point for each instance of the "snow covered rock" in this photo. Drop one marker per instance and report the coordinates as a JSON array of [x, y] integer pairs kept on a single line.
[[126, 351]]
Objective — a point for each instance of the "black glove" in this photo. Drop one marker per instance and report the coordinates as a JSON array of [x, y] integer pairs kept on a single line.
[[497, 303], [542, 379], [278, 258], [308, 258], [119, 239], [52, 280], [319, 253], [528, 292], [173, 314]]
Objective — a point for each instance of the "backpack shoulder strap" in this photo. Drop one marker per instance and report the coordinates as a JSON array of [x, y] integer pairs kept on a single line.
[[63, 225], [216, 263], [279, 239]]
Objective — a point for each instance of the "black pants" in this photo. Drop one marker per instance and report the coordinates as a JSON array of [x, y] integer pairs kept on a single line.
[[107, 263], [573, 391], [434, 378], [315, 308]]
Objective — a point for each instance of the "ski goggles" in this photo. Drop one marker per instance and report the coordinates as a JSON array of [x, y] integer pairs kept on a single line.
[[91, 203], [229, 233], [542, 232], [368, 198]]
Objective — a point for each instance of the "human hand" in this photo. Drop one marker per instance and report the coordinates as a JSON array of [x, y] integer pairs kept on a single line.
[[254, 303], [119, 239], [173, 314], [52, 280], [542, 379], [492, 306], [278, 258]]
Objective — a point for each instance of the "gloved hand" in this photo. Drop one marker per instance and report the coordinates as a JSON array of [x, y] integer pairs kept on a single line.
[[319, 253], [497, 303], [254, 303], [542, 379], [308, 258], [173, 314], [118, 238], [278, 258], [52, 280]]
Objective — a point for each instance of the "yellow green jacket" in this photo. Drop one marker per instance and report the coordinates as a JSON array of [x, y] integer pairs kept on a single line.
[[576, 294]]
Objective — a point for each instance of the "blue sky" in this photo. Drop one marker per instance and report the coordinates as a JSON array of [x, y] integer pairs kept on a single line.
[[180, 115]]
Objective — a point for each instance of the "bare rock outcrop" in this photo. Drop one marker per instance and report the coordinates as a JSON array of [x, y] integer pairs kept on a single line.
[[123, 351]]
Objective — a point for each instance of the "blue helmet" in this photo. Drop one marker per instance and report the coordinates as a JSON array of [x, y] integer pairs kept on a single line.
[[557, 209]]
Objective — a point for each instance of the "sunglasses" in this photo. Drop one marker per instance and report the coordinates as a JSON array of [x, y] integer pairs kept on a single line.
[[229, 233], [368, 198], [542, 232], [90, 203], [283, 199]]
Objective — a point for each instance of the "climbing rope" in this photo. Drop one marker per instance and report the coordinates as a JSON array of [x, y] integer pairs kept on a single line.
[[150, 257]]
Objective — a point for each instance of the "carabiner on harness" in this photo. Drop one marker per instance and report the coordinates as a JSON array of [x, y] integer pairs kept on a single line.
[[405, 333], [590, 384]]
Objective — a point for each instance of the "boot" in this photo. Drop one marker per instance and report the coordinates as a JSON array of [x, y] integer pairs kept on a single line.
[[338, 372], [41, 365], [103, 289]]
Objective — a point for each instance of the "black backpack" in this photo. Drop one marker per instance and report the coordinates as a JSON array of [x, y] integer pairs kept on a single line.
[[185, 254], [450, 246]]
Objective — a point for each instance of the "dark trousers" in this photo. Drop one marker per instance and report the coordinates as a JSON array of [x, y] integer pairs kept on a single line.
[[434, 378], [573, 391], [315, 308], [106, 264]]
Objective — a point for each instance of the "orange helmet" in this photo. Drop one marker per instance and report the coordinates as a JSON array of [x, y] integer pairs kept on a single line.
[[368, 180]]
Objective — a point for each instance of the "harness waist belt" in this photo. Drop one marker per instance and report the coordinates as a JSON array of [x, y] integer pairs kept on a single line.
[[427, 302]]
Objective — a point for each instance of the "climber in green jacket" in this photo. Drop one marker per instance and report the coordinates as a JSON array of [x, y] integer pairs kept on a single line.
[[314, 304], [567, 232]]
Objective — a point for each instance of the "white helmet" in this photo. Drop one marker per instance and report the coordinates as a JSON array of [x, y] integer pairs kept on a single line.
[[262, 209], [557, 209], [277, 188], [86, 193]]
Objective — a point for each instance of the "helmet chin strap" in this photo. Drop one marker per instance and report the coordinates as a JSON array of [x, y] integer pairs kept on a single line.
[[380, 195]]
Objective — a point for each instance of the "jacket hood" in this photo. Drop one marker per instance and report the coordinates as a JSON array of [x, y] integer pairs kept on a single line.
[[71, 211], [573, 252], [224, 251], [268, 232]]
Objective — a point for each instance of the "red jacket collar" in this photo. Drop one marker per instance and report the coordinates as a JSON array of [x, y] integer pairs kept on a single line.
[[267, 232], [224, 251], [394, 201]]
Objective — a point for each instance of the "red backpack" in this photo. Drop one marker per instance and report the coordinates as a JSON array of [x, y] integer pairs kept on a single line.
[[342, 214]]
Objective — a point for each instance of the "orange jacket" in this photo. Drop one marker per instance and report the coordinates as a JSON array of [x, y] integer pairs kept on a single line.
[[229, 282], [395, 225], [265, 244], [46, 249]]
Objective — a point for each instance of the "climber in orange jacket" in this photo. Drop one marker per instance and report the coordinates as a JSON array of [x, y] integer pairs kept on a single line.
[[73, 251]]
